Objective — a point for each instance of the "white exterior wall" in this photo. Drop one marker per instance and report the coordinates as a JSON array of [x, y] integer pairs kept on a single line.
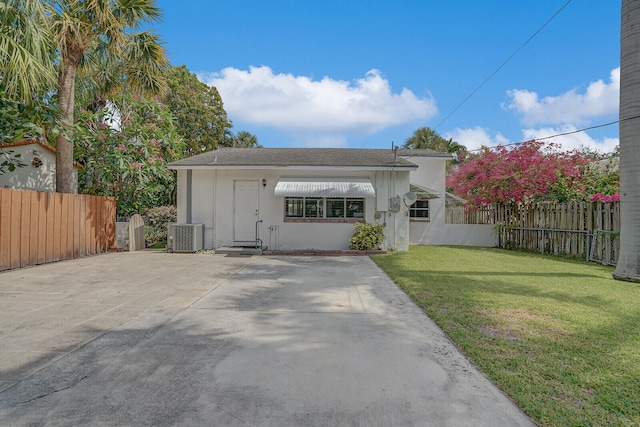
[[212, 204], [431, 173], [29, 177], [455, 234]]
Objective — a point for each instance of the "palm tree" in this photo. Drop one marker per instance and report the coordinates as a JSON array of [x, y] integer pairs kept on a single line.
[[26, 50], [628, 267], [427, 138], [246, 139], [87, 31]]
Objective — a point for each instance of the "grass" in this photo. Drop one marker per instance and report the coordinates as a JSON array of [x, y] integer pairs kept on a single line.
[[158, 245], [561, 337]]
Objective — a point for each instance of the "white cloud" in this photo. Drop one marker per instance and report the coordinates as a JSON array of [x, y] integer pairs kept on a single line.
[[572, 141], [572, 107], [326, 107], [474, 138]]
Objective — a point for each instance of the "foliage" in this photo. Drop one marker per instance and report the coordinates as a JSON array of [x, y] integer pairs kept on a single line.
[[427, 138], [200, 116], [19, 121], [366, 236], [91, 32], [599, 197], [157, 220], [10, 161], [529, 172], [36, 120], [130, 163], [602, 177], [559, 337], [26, 49], [244, 139]]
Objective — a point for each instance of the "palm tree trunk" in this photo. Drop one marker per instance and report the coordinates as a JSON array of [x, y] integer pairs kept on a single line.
[[628, 267], [64, 148]]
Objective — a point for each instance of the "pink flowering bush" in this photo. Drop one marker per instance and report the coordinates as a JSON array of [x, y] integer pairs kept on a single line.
[[599, 197], [526, 173], [130, 163]]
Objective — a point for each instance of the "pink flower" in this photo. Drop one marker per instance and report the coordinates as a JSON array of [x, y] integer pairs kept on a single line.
[[599, 197]]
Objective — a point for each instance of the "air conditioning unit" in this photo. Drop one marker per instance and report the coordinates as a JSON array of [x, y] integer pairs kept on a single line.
[[185, 237]]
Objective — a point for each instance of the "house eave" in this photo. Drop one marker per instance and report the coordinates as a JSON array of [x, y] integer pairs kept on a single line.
[[291, 167]]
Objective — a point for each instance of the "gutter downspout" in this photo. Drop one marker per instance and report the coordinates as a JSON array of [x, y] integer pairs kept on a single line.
[[189, 195]]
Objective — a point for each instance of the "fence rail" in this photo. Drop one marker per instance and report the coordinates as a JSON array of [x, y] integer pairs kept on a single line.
[[589, 229], [40, 227]]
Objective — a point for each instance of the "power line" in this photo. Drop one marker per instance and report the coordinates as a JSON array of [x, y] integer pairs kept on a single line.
[[501, 65], [563, 133]]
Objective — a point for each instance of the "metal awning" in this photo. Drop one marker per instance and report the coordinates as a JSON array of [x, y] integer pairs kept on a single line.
[[424, 192], [324, 187]]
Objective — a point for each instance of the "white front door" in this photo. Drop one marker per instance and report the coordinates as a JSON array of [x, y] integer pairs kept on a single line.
[[245, 210]]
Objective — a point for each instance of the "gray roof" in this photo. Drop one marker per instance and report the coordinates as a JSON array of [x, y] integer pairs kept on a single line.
[[309, 157], [406, 152]]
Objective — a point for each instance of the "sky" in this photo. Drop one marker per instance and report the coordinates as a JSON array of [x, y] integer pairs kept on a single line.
[[366, 74]]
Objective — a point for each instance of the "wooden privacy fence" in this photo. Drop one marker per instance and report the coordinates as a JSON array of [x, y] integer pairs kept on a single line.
[[589, 229], [39, 227]]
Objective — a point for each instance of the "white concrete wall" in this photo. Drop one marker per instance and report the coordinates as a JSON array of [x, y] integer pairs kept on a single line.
[[453, 234], [212, 205], [29, 177], [431, 173]]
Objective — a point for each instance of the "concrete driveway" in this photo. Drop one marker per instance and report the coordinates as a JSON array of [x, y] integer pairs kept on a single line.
[[157, 339]]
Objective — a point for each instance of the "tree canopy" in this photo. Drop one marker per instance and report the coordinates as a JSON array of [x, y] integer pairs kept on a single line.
[[198, 109], [27, 52], [130, 161], [244, 139], [427, 138], [530, 172]]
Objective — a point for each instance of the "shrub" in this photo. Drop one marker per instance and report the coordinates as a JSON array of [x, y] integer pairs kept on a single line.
[[157, 220], [366, 236]]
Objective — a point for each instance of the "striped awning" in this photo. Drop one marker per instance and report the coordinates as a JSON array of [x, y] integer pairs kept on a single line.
[[424, 192], [324, 187]]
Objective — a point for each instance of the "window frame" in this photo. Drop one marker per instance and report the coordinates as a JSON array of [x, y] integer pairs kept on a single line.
[[414, 209], [349, 210]]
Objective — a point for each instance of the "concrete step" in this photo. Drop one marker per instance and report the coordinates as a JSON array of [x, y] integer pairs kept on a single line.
[[233, 250]]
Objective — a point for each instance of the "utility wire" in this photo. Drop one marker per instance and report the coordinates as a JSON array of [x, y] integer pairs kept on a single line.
[[501, 66], [563, 133]]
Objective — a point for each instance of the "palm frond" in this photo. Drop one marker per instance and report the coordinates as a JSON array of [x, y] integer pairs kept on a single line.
[[146, 63], [26, 51]]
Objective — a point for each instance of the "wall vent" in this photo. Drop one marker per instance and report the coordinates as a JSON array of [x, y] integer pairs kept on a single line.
[[185, 237]]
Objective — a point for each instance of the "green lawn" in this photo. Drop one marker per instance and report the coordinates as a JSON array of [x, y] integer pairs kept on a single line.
[[561, 337]]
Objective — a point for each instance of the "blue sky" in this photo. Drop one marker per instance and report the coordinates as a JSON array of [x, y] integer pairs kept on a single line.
[[362, 74]]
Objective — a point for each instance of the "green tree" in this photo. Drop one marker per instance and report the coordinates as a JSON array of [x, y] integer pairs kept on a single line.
[[198, 109], [83, 27], [244, 139], [26, 50], [427, 138], [130, 161], [628, 267]]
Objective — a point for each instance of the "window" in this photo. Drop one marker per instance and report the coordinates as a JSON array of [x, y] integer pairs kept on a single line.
[[323, 208], [355, 208], [419, 210], [313, 207], [294, 207]]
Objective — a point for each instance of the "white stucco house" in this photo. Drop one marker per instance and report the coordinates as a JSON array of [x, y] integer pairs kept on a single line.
[[39, 170], [309, 198]]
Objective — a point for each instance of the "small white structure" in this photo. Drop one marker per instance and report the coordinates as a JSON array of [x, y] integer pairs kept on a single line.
[[39, 172], [309, 198]]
